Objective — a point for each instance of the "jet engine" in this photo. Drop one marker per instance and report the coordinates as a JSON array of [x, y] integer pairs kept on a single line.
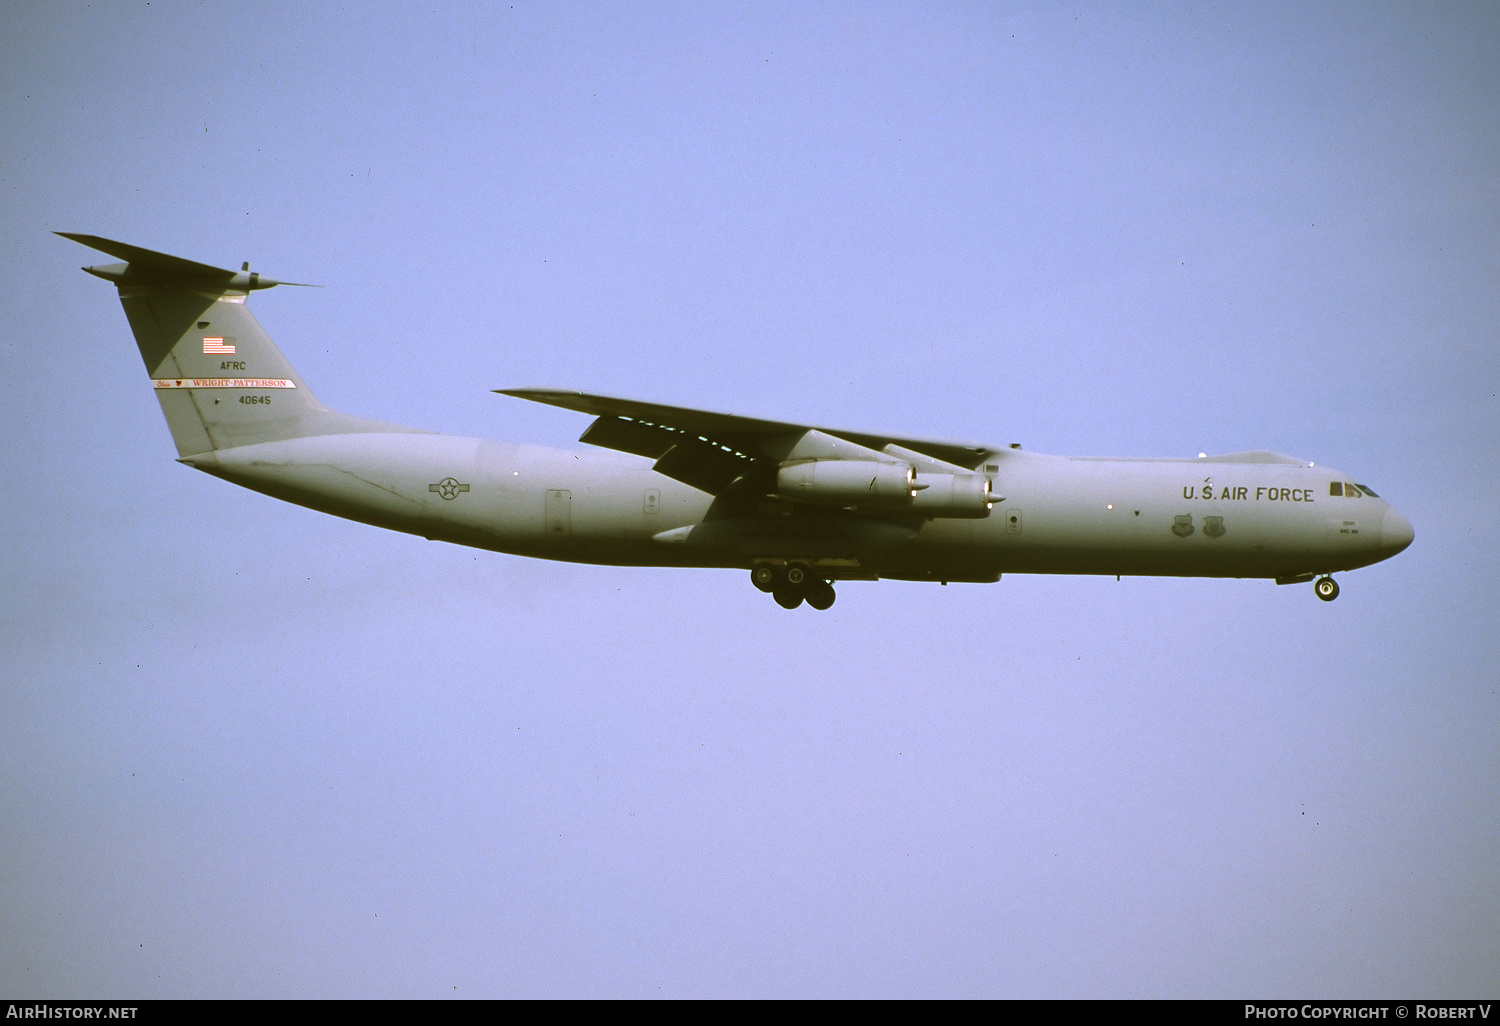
[[885, 485], [953, 495], [848, 482]]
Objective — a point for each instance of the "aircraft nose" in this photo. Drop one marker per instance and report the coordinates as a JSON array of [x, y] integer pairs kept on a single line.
[[1395, 532]]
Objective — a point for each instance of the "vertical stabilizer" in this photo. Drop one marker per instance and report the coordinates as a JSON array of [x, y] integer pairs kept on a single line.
[[220, 379]]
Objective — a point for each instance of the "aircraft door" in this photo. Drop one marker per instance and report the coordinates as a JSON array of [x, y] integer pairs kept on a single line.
[[558, 514]]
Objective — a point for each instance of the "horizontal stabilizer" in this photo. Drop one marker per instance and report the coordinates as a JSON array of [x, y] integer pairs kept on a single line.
[[148, 267]]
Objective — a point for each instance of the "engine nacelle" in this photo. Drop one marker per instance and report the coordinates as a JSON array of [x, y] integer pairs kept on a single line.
[[848, 482], [953, 495]]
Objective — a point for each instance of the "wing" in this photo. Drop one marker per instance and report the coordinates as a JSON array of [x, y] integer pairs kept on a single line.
[[709, 451]]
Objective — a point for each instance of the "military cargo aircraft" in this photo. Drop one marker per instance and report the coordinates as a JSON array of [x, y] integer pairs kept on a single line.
[[799, 507]]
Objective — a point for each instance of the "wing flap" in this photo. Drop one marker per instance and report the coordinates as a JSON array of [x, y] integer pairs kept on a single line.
[[705, 467], [629, 436]]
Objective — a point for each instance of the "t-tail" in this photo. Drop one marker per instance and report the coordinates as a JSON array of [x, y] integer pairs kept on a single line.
[[221, 381]]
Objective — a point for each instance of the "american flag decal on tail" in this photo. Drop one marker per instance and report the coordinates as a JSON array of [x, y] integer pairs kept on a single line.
[[218, 346]]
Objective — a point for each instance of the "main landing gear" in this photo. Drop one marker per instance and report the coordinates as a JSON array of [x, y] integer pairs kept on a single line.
[[1326, 588], [792, 585]]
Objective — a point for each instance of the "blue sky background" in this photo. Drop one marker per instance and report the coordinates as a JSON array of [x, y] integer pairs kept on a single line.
[[247, 749]]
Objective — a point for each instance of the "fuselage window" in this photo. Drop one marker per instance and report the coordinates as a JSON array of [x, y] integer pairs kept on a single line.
[[1336, 488], [1367, 491]]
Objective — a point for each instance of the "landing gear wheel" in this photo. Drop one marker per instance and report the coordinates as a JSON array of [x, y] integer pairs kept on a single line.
[[820, 594], [796, 576], [787, 598], [765, 577], [1326, 588]]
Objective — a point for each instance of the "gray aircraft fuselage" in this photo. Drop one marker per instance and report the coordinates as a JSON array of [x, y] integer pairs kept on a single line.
[[799, 506], [1060, 515]]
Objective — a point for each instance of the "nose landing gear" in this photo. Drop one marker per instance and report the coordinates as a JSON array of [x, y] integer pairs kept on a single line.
[[1326, 588], [793, 585]]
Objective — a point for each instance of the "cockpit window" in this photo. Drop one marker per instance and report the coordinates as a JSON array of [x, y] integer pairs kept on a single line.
[[1350, 490], [1367, 491], [1336, 488]]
